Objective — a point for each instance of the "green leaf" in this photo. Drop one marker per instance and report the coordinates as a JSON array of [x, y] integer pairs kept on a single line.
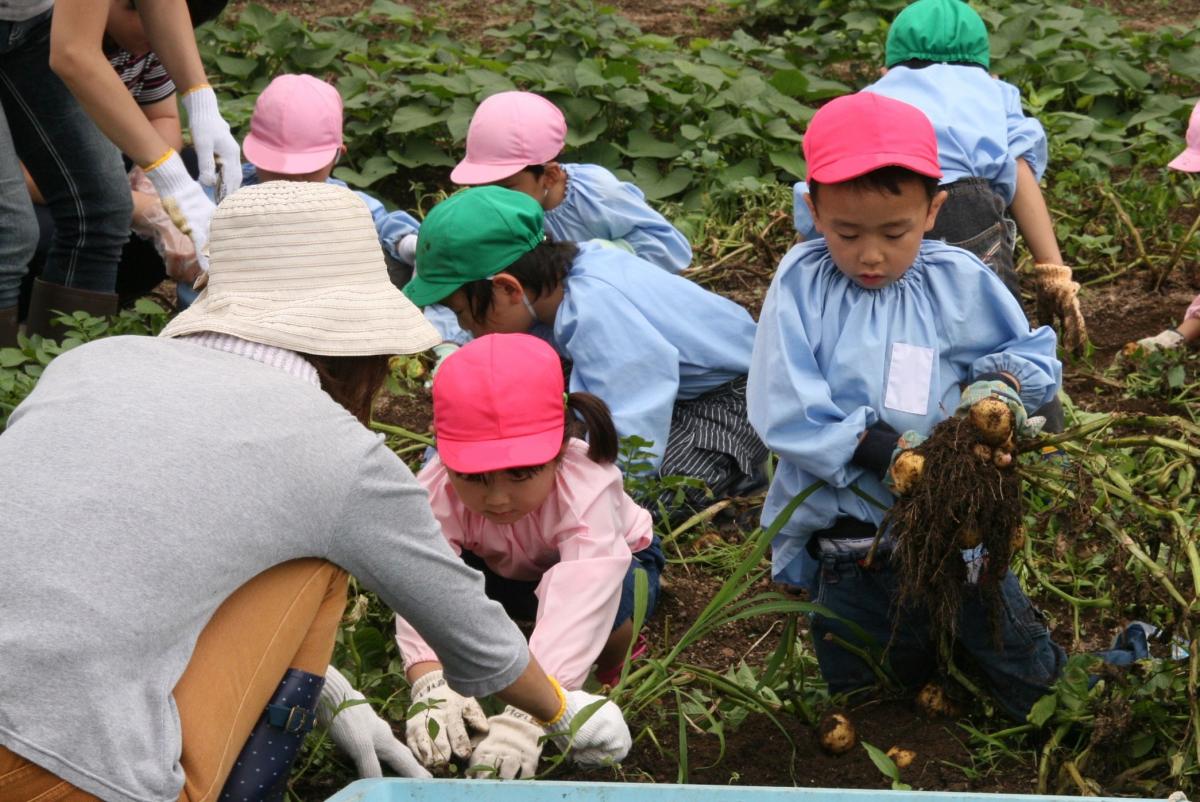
[[373, 169], [1096, 83], [643, 144], [789, 160], [655, 184], [709, 76], [414, 118], [421, 152], [1176, 377], [792, 83], [887, 767], [11, 357], [236, 67], [781, 130], [1043, 709], [587, 73]]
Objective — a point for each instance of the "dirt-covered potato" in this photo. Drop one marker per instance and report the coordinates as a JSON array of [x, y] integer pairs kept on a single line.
[[906, 471], [903, 758], [836, 734], [969, 537], [933, 702], [992, 418]]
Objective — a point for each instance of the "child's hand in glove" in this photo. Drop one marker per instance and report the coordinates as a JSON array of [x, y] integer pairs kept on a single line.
[[1057, 299], [360, 732], [448, 714], [511, 748], [603, 737], [1168, 339]]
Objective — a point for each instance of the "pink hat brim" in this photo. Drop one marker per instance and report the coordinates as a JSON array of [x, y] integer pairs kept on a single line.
[[265, 157], [1188, 161], [853, 166], [500, 454], [469, 173]]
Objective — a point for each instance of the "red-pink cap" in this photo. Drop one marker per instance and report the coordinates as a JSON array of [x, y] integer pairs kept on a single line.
[[509, 132], [296, 127], [498, 403], [1189, 160], [854, 134]]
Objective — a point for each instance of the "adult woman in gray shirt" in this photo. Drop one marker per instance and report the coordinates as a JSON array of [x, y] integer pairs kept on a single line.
[[171, 607]]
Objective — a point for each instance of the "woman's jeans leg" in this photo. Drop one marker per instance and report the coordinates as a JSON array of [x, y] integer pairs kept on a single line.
[[18, 225], [78, 170]]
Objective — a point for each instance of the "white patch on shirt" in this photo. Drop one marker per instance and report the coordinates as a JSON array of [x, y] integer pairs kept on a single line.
[[909, 376]]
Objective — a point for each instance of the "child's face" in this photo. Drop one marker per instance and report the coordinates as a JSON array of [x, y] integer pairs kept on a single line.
[[124, 26], [873, 235], [507, 314], [505, 497], [547, 188]]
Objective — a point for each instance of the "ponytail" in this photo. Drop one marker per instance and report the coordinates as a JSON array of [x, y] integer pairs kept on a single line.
[[588, 415]]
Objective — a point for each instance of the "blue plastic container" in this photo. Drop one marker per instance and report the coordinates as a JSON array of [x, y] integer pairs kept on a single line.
[[397, 790]]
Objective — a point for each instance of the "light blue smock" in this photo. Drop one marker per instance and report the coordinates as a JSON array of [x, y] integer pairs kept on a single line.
[[641, 339], [980, 125], [599, 206], [832, 358]]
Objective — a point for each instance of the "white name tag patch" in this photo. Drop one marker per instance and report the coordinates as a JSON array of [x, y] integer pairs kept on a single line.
[[909, 376]]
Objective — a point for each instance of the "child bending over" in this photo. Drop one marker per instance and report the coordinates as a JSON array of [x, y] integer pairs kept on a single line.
[[667, 356], [543, 515]]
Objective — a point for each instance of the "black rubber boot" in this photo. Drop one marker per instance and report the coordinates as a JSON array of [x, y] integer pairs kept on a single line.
[[260, 773], [48, 300], [8, 327]]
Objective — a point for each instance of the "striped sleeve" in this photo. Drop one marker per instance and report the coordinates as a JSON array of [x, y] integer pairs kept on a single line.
[[144, 76]]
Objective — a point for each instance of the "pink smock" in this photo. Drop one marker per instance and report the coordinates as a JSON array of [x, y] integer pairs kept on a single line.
[[577, 545]]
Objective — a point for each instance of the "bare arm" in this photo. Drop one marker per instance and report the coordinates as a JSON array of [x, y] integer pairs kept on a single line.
[[169, 29], [76, 33], [164, 116], [1033, 218]]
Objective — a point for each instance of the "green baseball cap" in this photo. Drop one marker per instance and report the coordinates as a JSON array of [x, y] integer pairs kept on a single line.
[[473, 234], [938, 30]]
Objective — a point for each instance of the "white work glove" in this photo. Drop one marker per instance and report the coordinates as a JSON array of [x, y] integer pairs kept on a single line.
[[211, 137], [360, 732], [1163, 340], [451, 715], [603, 738], [184, 202], [511, 748], [406, 249]]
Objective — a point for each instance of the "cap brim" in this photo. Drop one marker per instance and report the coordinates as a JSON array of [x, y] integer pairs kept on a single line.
[[265, 157], [852, 167], [1188, 161], [497, 455], [424, 293], [469, 173]]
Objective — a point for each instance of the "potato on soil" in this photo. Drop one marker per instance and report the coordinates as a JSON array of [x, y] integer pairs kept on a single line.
[[932, 701], [906, 471], [1018, 539], [836, 734], [903, 758], [992, 418]]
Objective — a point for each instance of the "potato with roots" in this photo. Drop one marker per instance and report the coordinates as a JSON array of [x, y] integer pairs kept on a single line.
[[965, 495], [836, 734], [902, 757]]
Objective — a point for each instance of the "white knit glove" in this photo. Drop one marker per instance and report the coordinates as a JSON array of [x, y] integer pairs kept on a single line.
[[184, 202], [1163, 340], [604, 737], [406, 249], [450, 716], [511, 748], [211, 137], [360, 732]]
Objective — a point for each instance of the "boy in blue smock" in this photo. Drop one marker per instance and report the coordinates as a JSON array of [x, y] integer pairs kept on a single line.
[[630, 331], [869, 331], [991, 155]]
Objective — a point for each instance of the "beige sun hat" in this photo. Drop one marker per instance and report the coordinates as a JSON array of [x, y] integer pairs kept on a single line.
[[298, 265]]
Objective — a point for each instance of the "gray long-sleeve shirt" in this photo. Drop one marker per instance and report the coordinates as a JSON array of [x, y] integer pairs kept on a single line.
[[141, 483]]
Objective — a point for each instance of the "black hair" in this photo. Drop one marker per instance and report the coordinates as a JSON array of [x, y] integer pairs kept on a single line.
[[536, 170], [539, 271], [588, 418], [203, 11], [920, 64], [884, 179]]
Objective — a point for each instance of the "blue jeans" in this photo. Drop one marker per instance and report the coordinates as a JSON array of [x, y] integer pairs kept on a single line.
[[521, 604], [77, 169], [1020, 670]]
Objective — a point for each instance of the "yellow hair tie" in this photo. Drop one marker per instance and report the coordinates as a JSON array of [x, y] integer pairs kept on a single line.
[[159, 161], [562, 703]]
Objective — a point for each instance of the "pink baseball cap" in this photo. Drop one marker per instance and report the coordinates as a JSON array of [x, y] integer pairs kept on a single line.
[[498, 403], [854, 134], [509, 132], [296, 127], [1189, 160]]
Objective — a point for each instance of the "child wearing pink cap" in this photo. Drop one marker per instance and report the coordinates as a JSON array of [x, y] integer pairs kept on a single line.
[[543, 514], [870, 331], [1189, 330], [514, 141]]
